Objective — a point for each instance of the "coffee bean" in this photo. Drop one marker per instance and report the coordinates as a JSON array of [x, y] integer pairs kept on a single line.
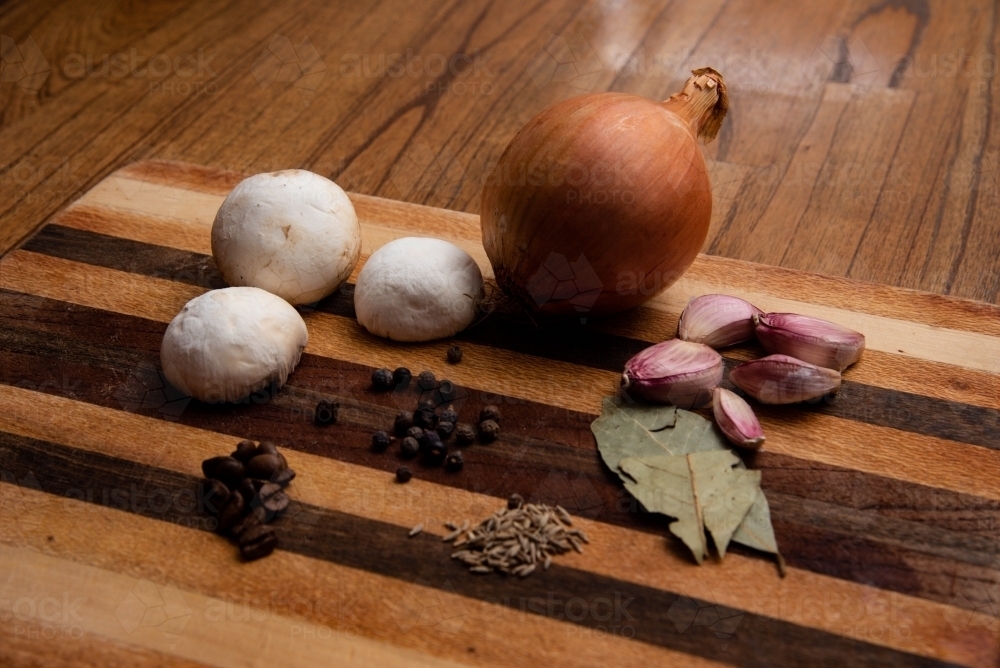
[[212, 495], [231, 512], [266, 448], [273, 498], [256, 517], [247, 489], [409, 447], [403, 474], [283, 477], [489, 412], [258, 542], [227, 469], [488, 431], [264, 466], [244, 450], [464, 434], [445, 429]]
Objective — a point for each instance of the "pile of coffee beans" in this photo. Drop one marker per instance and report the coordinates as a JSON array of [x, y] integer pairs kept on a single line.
[[426, 430], [245, 491]]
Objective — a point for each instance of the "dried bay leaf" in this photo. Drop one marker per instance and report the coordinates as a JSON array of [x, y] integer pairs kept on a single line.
[[703, 490], [643, 431]]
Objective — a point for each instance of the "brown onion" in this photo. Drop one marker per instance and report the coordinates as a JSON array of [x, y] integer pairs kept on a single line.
[[602, 201]]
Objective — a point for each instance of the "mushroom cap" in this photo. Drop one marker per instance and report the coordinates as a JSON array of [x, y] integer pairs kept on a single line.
[[417, 289], [292, 233], [228, 343]]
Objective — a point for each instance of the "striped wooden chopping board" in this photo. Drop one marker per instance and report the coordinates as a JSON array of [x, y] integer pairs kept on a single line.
[[885, 502]]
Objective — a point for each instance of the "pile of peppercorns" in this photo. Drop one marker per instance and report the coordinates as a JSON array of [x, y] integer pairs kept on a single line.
[[245, 490], [425, 431]]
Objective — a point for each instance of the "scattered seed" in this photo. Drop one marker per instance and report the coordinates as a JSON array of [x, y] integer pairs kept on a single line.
[[488, 431], [409, 447], [447, 390], [382, 380], [381, 441], [402, 376], [454, 355], [464, 434], [449, 415], [454, 461], [426, 380], [489, 412], [403, 474], [403, 422], [515, 501], [415, 530]]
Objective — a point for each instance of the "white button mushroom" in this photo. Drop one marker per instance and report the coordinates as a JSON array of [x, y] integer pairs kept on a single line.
[[417, 289], [292, 233], [226, 344]]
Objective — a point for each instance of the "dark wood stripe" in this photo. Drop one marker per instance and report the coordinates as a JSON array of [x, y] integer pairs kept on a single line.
[[377, 547], [569, 342], [545, 453]]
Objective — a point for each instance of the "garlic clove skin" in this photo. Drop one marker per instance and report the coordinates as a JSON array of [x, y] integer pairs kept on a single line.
[[736, 419], [717, 320], [812, 340], [780, 379], [674, 372]]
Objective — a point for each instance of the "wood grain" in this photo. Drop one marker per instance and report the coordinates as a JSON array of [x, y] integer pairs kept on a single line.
[[862, 141], [884, 501]]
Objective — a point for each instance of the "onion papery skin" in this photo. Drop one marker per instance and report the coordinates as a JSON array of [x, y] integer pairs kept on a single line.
[[597, 205]]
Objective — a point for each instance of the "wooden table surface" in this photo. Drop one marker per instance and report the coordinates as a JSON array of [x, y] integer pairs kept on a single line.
[[862, 141]]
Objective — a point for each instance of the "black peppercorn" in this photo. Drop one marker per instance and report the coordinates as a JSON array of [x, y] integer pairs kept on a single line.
[[464, 434], [409, 447], [381, 440], [454, 461], [326, 412], [382, 380], [449, 415], [435, 452], [429, 437], [426, 418], [426, 380], [515, 501], [489, 412], [403, 422], [488, 431], [454, 355], [415, 433], [447, 390], [403, 474], [445, 429], [402, 376]]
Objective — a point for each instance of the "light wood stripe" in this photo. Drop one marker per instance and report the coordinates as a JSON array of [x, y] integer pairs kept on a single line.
[[879, 369], [739, 582], [907, 456], [81, 575], [39, 643], [915, 339], [286, 621]]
